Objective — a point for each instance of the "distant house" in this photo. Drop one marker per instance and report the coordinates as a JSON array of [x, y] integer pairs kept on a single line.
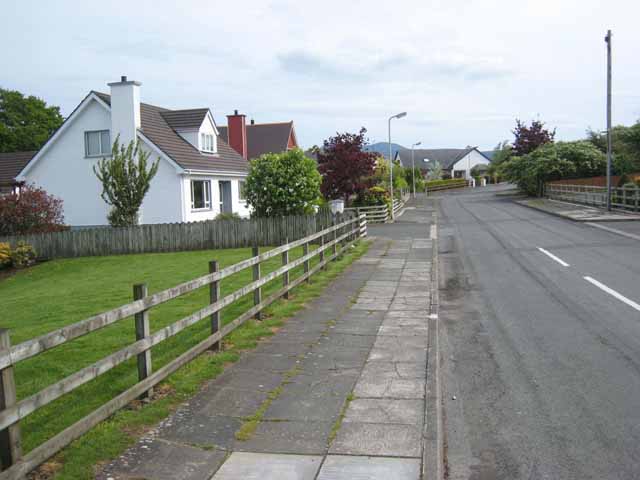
[[199, 175], [455, 162], [256, 139], [10, 166]]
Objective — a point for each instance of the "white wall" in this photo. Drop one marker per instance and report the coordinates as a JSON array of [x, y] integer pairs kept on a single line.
[[65, 172], [162, 202], [467, 163]]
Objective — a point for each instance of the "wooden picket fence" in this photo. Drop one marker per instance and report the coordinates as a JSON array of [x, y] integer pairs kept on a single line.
[[332, 241], [172, 237]]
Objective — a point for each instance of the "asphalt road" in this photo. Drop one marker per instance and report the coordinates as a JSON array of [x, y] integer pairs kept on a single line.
[[544, 365]]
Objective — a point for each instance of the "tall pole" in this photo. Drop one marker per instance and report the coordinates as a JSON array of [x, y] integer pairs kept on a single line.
[[413, 171], [608, 40], [391, 170]]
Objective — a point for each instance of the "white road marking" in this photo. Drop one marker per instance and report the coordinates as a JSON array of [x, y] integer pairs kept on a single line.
[[552, 256], [614, 230], [433, 234], [613, 293]]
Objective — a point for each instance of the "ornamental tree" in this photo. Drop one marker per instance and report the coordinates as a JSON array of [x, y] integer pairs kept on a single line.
[[345, 166], [528, 138], [125, 181], [25, 122], [282, 184], [31, 210]]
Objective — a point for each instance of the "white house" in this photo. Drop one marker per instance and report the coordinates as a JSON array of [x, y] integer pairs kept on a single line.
[[199, 174], [455, 162]]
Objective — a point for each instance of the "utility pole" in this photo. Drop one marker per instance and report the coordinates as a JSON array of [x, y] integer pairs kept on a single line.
[[607, 39]]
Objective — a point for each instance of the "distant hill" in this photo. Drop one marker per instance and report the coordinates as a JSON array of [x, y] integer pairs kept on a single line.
[[383, 148]]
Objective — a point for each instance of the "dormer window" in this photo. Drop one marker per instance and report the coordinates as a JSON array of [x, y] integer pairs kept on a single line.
[[207, 143]]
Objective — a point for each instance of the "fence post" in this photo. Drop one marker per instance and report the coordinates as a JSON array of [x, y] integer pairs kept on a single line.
[[143, 331], [257, 293], [10, 441], [214, 296], [335, 243], [321, 255], [305, 251], [285, 275]]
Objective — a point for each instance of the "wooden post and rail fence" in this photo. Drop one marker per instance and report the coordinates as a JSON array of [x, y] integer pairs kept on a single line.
[[380, 213], [622, 198], [332, 242]]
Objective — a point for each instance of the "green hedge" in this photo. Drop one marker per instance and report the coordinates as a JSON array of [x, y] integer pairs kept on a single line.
[[449, 181]]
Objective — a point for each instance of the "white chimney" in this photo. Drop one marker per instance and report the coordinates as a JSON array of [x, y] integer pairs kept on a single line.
[[125, 110]]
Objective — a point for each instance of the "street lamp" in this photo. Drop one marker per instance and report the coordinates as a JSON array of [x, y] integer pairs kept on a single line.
[[413, 168], [398, 115]]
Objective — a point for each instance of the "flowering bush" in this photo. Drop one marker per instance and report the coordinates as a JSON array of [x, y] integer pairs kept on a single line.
[[23, 255], [32, 210], [5, 255]]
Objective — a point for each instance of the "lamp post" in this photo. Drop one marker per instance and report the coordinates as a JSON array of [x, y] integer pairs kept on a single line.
[[607, 39], [413, 168], [398, 115]]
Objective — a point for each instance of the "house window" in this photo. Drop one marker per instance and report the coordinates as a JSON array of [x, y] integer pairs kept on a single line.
[[97, 143], [241, 189], [207, 143], [200, 195]]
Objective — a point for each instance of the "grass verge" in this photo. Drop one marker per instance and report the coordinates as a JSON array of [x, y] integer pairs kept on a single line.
[[69, 290]]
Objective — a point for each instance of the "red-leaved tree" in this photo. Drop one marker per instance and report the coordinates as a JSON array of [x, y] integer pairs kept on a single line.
[[528, 138], [345, 166], [32, 210]]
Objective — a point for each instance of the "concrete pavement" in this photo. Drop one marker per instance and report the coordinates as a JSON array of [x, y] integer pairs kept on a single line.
[[339, 391], [541, 343]]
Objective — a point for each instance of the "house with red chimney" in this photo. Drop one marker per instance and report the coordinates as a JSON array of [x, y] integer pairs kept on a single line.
[[256, 139], [201, 171]]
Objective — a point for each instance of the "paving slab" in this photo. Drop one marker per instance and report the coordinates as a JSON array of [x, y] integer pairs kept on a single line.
[[261, 466], [156, 460], [207, 431], [289, 437], [380, 410], [351, 467], [378, 439]]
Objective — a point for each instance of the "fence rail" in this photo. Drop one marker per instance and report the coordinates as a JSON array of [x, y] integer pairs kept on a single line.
[[622, 198], [380, 213], [459, 184], [332, 242], [171, 237]]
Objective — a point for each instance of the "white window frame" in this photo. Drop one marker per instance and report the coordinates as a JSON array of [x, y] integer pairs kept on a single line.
[[207, 196], [207, 143], [105, 150]]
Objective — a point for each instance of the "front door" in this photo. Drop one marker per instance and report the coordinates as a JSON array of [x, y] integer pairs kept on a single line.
[[225, 196]]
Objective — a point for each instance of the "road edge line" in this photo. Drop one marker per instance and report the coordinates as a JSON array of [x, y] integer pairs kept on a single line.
[[433, 451], [614, 230]]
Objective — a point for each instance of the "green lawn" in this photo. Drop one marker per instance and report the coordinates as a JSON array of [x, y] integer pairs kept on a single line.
[[61, 292]]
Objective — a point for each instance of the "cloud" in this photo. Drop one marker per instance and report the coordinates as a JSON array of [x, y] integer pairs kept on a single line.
[[362, 66]]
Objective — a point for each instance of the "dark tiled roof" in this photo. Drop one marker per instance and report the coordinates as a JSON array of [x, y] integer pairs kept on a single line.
[[264, 138], [156, 128], [185, 119], [10, 166], [447, 157]]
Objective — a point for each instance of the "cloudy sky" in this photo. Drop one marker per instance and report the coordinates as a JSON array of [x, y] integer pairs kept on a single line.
[[462, 69]]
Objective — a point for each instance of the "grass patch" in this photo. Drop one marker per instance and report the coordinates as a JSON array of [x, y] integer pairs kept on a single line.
[[338, 423], [70, 290]]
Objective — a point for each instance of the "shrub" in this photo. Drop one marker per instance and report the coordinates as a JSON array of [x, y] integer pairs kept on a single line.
[[373, 196], [32, 210], [23, 255], [228, 216], [554, 161], [282, 184], [5, 255]]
